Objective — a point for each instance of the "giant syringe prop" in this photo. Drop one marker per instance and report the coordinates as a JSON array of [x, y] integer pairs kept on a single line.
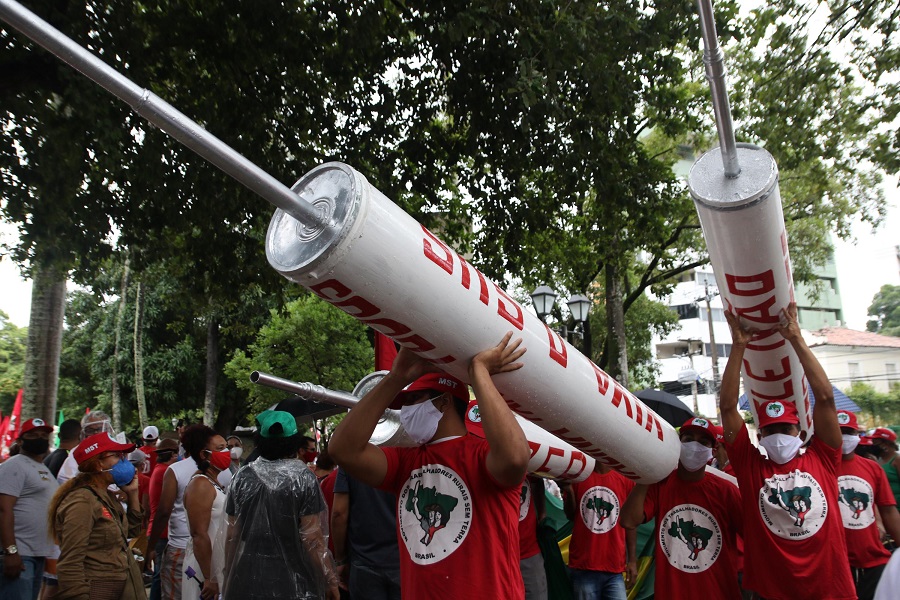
[[735, 190], [550, 456], [338, 236]]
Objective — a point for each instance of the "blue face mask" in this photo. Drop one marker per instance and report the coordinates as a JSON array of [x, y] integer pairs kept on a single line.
[[122, 473]]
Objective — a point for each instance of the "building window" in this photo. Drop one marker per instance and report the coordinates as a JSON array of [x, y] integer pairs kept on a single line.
[[722, 350], [685, 311], [854, 371], [718, 314]]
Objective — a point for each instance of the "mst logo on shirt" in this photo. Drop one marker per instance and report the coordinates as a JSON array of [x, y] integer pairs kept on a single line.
[[599, 509], [524, 500], [690, 538], [792, 505], [435, 513], [855, 499]]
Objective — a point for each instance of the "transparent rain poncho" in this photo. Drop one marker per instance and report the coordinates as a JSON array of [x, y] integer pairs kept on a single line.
[[274, 535]]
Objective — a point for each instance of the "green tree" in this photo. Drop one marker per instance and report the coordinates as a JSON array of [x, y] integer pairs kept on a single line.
[[12, 361], [880, 409], [885, 311], [308, 341]]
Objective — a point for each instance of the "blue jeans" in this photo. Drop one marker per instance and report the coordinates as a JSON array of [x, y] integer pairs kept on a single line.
[[156, 584], [598, 585], [26, 586]]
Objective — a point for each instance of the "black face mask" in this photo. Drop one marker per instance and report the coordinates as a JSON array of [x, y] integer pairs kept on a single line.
[[38, 446], [162, 457]]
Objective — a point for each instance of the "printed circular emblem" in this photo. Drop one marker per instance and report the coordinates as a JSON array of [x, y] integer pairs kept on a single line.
[[843, 418], [434, 513], [599, 509], [792, 505], [775, 409], [855, 498], [524, 501], [700, 423], [474, 414], [690, 538], [37, 422]]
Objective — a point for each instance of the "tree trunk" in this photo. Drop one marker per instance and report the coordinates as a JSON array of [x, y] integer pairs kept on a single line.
[[212, 371], [115, 396], [139, 354], [45, 329], [617, 349]]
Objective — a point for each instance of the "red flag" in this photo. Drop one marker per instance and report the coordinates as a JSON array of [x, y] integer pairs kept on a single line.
[[17, 414], [385, 351], [4, 445]]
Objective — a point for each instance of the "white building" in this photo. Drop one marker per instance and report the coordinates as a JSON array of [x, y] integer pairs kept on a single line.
[[848, 356]]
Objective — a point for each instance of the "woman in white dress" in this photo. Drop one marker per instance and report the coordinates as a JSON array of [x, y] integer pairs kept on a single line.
[[204, 503]]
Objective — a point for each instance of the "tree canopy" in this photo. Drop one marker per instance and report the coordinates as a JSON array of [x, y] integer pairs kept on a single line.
[[885, 311]]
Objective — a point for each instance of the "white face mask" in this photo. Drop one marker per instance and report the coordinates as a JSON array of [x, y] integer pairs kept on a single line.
[[849, 443], [420, 421], [236, 453], [781, 447], [694, 455]]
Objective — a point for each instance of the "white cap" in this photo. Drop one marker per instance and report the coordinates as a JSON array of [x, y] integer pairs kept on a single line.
[[151, 432]]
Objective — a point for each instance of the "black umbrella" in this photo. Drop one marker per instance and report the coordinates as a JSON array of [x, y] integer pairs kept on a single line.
[[666, 405]]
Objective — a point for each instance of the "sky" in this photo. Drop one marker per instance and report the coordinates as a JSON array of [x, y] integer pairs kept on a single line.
[[863, 267]]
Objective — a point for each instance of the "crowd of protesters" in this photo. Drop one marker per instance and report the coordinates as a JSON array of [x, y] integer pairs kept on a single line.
[[182, 516]]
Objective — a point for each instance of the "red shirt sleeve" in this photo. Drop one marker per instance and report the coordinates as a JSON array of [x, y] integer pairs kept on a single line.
[[391, 481], [651, 501]]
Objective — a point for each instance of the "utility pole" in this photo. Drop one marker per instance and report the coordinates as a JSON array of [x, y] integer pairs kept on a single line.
[[713, 351]]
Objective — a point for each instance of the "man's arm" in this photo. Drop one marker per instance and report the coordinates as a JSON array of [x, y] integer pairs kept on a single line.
[[349, 444], [319, 556], [12, 563], [507, 459], [568, 497], [163, 511], [731, 378], [632, 513], [824, 412], [340, 515], [198, 500], [631, 569]]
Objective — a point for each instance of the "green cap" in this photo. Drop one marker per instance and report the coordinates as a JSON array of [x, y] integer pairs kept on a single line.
[[276, 424]]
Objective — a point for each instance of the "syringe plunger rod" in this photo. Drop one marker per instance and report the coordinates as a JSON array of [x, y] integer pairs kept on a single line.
[[714, 61], [310, 391], [160, 113]]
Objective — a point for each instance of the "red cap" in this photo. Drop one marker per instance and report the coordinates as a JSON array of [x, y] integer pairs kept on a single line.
[[865, 440], [777, 411], [473, 420], [96, 445], [883, 433], [35, 424], [436, 382], [702, 425], [847, 420]]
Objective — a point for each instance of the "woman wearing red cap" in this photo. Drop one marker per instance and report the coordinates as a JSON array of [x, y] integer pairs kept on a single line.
[[90, 526]]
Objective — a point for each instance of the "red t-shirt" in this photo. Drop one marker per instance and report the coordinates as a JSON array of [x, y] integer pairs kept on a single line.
[[697, 523], [528, 544], [598, 543], [793, 535], [861, 485], [155, 491], [457, 526]]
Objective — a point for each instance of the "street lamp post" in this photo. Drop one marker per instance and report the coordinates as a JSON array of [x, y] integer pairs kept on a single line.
[[543, 298], [580, 307]]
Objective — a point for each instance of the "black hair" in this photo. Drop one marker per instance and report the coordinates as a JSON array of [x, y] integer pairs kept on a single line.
[[305, 440], [195, 439], [279, 447], [324, 460], [69, 430]]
